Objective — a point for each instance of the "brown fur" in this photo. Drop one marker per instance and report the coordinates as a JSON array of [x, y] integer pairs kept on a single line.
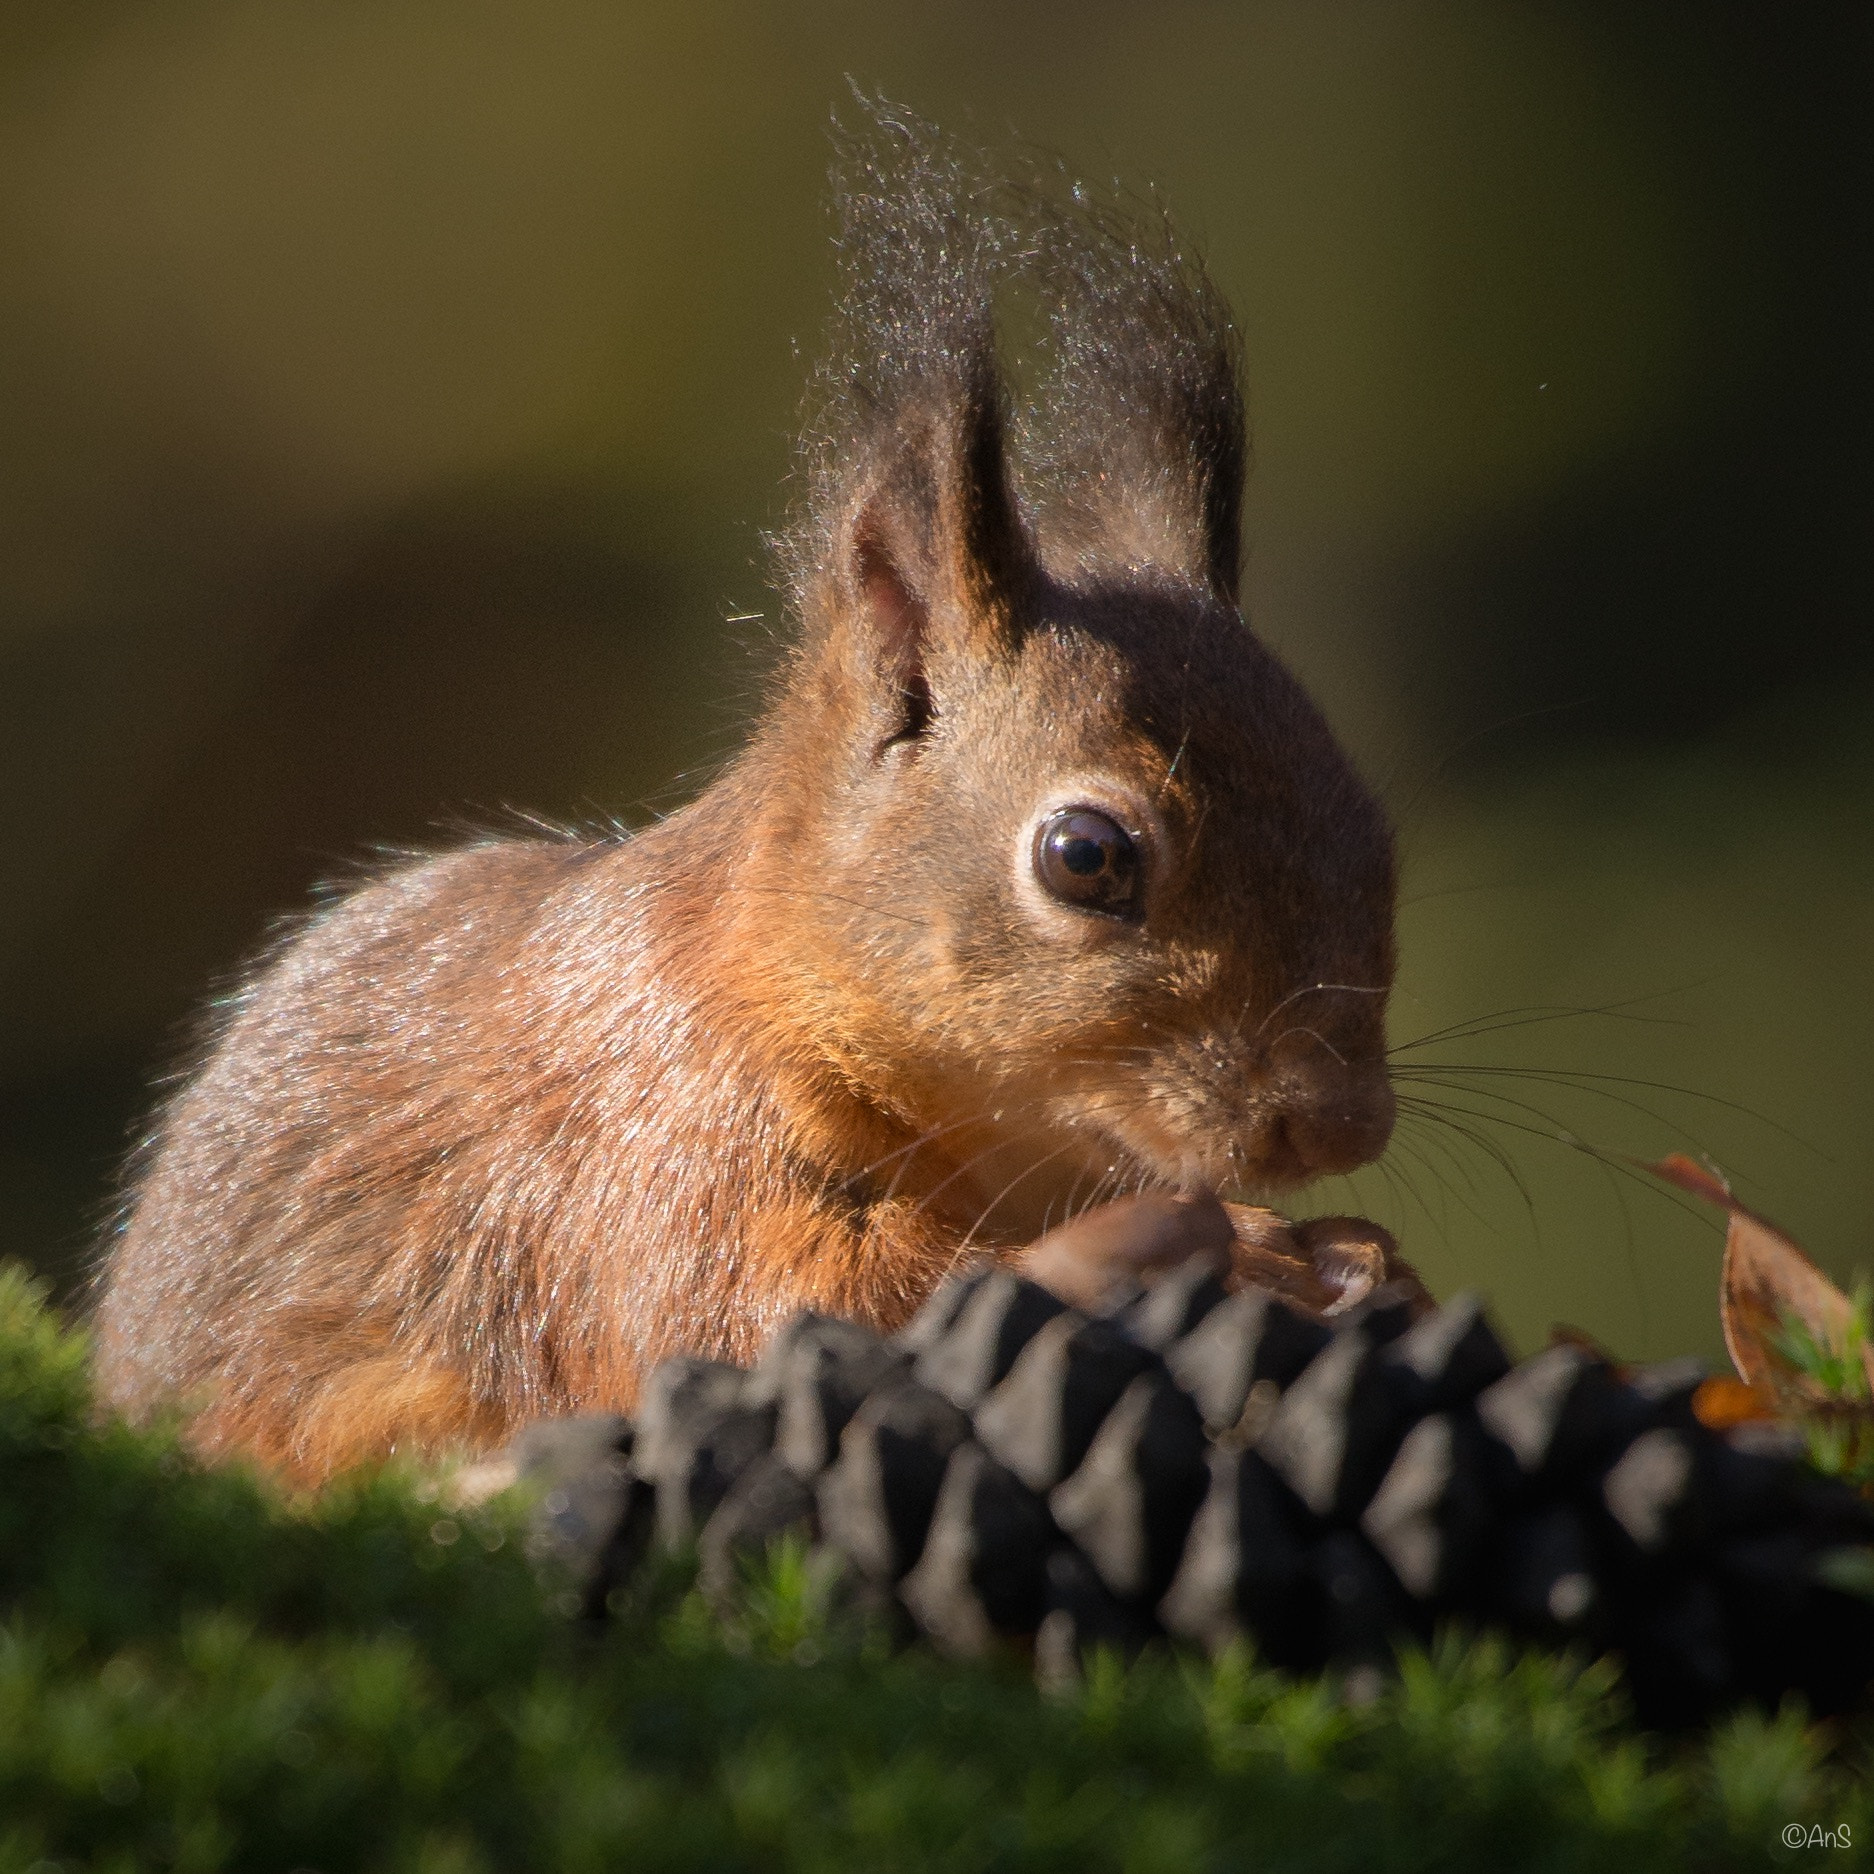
[[503, 1128]]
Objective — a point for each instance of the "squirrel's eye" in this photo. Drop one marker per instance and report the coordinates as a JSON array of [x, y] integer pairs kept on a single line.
[[1085, 859]]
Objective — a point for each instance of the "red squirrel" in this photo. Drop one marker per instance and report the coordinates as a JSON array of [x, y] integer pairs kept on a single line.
[[1038, 882]]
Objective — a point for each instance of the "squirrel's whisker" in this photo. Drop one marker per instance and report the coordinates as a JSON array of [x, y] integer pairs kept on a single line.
[[1535, 1015], [1438, 1121], [1599, 1083]]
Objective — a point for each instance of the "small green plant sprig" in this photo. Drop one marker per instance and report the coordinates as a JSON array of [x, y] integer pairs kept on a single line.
[[1839, 1426]]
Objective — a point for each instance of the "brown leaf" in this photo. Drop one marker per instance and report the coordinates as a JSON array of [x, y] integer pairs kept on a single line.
[[1722, 1402], [1767, 1281], [1689, 1175]]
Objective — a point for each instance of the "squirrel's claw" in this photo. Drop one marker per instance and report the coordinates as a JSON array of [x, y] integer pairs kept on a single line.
[[1321, 1266]]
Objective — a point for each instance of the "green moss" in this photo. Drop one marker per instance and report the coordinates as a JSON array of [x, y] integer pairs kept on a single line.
[[197, 1675]]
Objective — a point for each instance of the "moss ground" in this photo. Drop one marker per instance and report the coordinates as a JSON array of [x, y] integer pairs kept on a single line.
[[197, 1675]]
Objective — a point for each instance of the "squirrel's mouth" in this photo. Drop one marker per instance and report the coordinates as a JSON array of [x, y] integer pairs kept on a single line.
[[1050, 1157], [1277, 1147]]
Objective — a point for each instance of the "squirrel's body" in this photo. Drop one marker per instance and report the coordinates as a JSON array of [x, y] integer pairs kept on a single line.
[[1040, 880], [534, 1144]]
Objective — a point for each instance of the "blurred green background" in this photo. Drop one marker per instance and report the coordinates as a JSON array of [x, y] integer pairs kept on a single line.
[[391, 396]]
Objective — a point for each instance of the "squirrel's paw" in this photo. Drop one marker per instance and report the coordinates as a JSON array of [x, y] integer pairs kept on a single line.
[[1085, 1260], [1321, 1266]]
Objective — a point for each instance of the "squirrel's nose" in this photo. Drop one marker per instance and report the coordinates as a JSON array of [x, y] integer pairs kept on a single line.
[[1316, 1133]]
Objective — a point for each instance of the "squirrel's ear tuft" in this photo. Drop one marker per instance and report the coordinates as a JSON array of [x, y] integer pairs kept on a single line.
[[1138, 448], [909, 530], [1130, 446]]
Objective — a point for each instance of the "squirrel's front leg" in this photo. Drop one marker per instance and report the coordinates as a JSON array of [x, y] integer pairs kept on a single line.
[[874, 1262]]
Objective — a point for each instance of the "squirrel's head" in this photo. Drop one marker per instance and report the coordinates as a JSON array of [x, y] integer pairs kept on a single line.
[[1072, 864]]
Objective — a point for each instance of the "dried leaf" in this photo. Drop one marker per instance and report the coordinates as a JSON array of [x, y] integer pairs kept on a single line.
[[1689, 1175], [1722, 1402], [1767, 1285]]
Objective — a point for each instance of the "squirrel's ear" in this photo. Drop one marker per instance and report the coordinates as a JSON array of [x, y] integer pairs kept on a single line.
[[931, 552]]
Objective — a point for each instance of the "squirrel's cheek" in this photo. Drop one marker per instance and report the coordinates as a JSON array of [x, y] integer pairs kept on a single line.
[[1063, 935]]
